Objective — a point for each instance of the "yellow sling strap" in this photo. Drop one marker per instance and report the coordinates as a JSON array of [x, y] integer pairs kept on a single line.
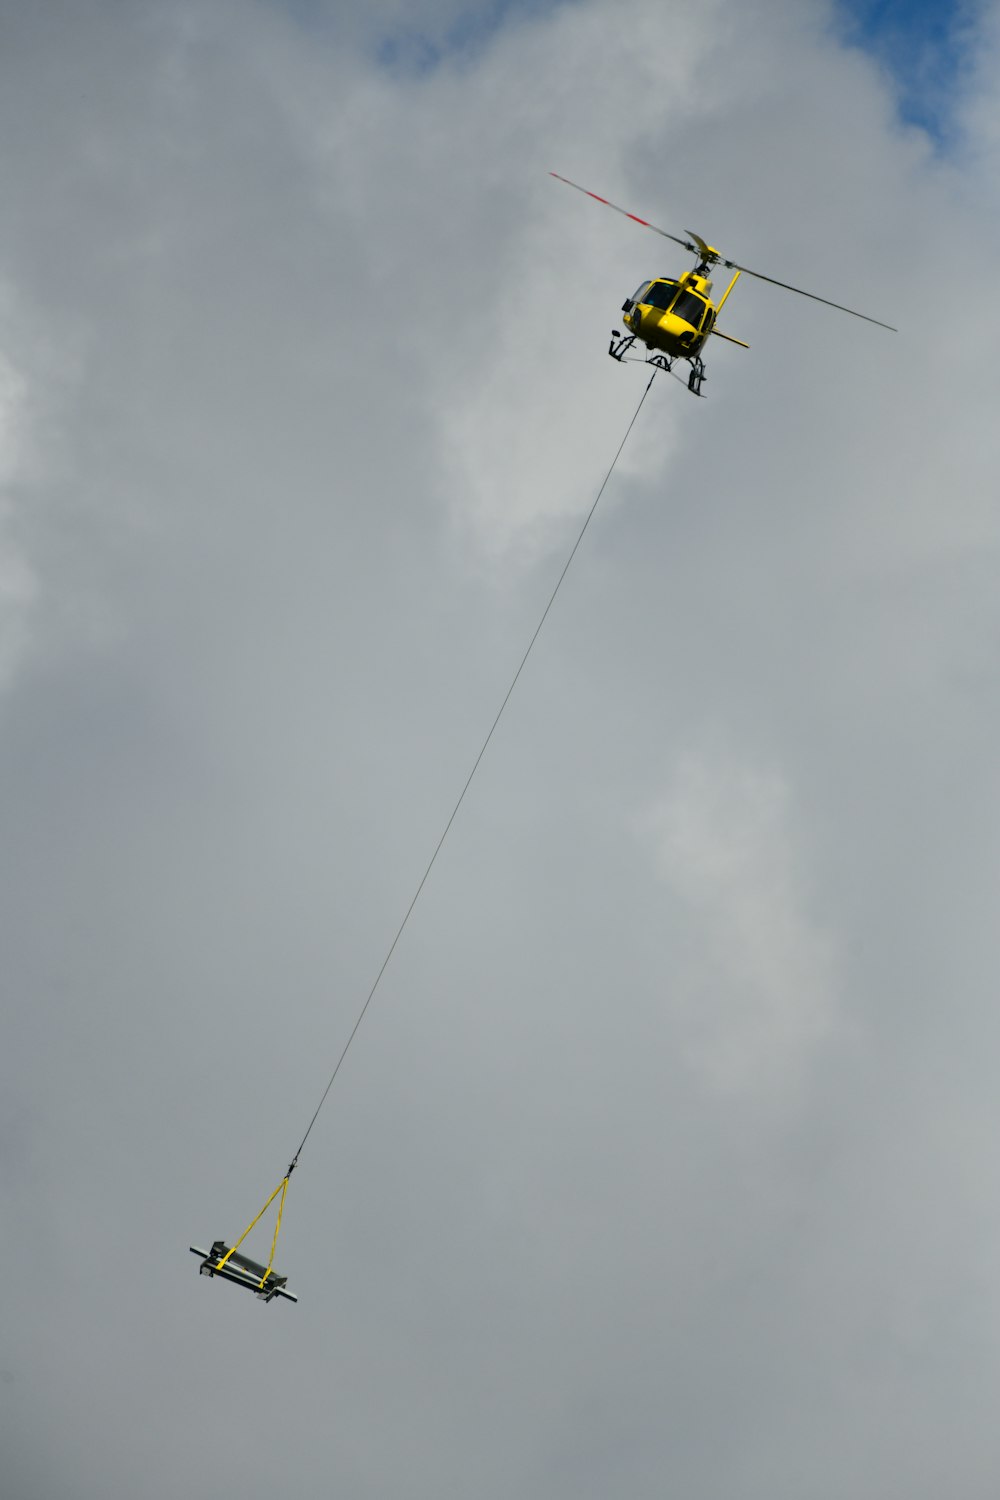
[[282, 1188]]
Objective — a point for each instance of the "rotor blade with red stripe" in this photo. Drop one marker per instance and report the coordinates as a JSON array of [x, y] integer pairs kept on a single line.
[[707, 253], [634, 217]]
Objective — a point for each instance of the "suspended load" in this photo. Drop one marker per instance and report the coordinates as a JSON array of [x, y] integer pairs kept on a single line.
[[263, 1282], [225, 1262]]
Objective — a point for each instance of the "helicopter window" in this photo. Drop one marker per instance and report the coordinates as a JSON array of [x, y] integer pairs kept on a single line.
[[689, 307], [660, 293], [639, 296]]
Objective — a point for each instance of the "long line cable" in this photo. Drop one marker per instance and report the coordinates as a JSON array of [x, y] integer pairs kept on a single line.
[[468, 780]]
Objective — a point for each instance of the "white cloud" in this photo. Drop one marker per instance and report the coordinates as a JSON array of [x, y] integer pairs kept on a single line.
[[625, 1145], [18, 583], [756, 992]]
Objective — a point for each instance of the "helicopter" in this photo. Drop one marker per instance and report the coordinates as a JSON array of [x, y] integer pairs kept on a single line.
[[674, 316]]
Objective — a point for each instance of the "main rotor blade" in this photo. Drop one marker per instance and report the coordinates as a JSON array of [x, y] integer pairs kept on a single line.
[[634, 217], [697, 246], [838, 305]]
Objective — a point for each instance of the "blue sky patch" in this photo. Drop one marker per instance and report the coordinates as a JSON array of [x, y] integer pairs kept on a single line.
[[924, 45], [426, 35], [415, 49]]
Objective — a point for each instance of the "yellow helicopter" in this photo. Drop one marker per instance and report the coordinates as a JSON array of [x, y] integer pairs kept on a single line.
[[674, 316]]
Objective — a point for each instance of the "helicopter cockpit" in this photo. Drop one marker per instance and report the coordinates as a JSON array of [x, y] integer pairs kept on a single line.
[[690, 307], [671, 296], [661, 294]]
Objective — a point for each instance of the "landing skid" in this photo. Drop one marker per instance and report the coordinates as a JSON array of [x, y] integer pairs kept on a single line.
[[622, 343]]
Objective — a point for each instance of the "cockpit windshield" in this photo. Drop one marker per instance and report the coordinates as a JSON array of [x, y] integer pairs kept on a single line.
[[690, 308], [639, 296], [660, 294]]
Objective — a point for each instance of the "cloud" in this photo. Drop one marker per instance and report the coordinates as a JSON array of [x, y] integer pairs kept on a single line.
[[756, 996], [674, 1114], [924, 47], [18, 582]]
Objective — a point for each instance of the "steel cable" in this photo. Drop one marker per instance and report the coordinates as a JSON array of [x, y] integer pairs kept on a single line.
[[468, 781]]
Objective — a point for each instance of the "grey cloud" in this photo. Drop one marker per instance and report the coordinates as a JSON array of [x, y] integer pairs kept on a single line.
[[315, 379]]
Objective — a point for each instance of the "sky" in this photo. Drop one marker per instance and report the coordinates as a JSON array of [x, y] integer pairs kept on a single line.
[[926, 47], [664, 1160]]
